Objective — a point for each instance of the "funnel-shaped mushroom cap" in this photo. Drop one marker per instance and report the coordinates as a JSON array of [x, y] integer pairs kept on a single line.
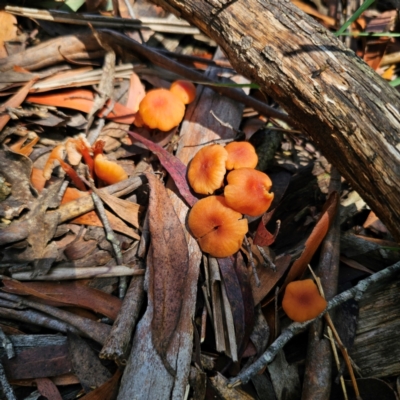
[[241, 155], [185, 90], [218, 229], [207, 169], [248, 191], [302, 301], [161, 109]]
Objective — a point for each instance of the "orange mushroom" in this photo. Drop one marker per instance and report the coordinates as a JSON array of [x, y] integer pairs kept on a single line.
[[207, 169], [241, 155], [108, 171], [302, 300], [185, 90], [161, 109], [248, 191], [218, 229]]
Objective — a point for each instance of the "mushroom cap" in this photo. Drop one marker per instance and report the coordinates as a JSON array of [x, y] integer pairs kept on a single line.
[[248, 191], [185, 90], [207, 169], [302, 300], [241, 155], [108, 171], [218, 229], [161, 109]]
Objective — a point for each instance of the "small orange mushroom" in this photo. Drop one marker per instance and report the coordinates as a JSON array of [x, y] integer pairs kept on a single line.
[[207, 169], [248, 191], [241, 155], [218, 229], [185, 90], [161, 109], [302, 300], [108, 171]]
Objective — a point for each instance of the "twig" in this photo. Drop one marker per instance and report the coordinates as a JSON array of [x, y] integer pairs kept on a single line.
[[6, 343], [171, 65], [7, 389], [267, 258], [356, 292], [251, 261]]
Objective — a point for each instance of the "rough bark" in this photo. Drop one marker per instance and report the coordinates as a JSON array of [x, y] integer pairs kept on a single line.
[[332, 95]]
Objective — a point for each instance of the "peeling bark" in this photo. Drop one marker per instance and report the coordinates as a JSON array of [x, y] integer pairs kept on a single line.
[[332, 95]]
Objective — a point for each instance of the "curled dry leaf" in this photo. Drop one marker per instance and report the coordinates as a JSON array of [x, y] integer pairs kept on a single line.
[[168, 263]]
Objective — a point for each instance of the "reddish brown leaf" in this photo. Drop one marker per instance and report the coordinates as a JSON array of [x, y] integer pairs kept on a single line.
[[71, 293], [314, 240], [168, 261], [172, 164], [48, 389], [82, 100], [135, 94], [263, 236]]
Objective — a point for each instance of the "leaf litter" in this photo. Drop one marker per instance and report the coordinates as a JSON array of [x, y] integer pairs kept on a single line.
[[234, 315]]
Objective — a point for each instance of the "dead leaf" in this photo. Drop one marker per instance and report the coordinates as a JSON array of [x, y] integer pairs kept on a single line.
[[48, 389], [8, 31], [125, 209], [107, 391], [314, 240], [82, 100], [14, 102], [168, 263], [172, 164], [135, 94], [71, 293]]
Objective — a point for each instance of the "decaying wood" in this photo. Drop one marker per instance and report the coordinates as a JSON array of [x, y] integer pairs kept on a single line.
[[332, 95]]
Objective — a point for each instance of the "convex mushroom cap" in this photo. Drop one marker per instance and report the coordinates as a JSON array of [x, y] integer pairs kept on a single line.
[[161, 109], [207, 169], [302, 300], [241, 155], [248, 191], [218, 229], [185, 90]]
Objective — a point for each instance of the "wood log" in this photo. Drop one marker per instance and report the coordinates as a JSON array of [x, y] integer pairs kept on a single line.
[[333, 96]]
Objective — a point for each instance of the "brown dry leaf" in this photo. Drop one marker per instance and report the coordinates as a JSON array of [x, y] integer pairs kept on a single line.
[[168, 262], [220, 384], [8, 30], [14, 102], [107, 391], [82, 100], [125, 209], [48, 389], [314, 240], [39, 362], [136, 93], [71, 293], [92, 219]]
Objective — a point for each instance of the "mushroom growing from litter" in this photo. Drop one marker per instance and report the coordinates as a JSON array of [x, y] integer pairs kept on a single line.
[[108, 171], [241, 155], [185, 90], [302, 300], [248, 191], [218, 229], [161, 109], [207, 169]]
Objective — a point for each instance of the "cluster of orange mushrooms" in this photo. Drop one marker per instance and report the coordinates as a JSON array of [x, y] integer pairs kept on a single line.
[[217, 221]]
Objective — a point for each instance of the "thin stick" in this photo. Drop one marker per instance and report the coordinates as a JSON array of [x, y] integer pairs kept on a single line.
[[251, 261], [356, 292]]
